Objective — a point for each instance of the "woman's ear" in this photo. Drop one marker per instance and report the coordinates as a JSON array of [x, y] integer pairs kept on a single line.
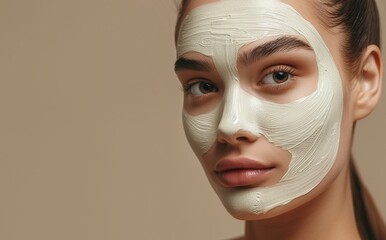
[[369, 82]]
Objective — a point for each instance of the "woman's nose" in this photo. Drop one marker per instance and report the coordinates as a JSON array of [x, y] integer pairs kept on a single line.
[[239, 137], [233, 127]]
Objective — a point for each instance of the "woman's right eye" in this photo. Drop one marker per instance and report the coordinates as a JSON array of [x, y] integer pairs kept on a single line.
[[201, 88]]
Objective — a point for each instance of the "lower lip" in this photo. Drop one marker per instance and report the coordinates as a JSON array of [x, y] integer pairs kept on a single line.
[[243, 177]]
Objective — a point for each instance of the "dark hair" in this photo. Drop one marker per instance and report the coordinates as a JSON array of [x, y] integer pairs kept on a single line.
[[369, 222], [358, 20]]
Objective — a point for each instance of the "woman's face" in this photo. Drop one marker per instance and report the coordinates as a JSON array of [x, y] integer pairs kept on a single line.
[[266, 106]]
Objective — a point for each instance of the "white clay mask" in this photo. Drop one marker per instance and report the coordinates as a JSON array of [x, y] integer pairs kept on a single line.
[[308, 127]]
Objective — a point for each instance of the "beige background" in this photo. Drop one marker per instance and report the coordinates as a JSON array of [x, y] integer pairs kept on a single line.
[[91, 143]]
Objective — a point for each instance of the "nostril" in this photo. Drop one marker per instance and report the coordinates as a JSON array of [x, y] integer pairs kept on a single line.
[[247, 138], [242, 138]]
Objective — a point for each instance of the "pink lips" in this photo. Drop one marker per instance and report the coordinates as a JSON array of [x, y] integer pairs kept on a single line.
[[237, 172]]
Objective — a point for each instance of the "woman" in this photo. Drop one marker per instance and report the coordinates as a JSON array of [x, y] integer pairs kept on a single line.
[[272, 93]]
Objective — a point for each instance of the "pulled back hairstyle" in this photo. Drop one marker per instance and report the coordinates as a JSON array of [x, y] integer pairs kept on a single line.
[[359, 22]]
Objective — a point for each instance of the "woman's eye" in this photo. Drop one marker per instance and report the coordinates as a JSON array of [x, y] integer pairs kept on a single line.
[[201, 88], [276, 77]]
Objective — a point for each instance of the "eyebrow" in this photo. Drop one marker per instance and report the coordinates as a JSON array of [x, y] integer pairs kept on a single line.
[[285, 43], [192, 64], [281, 44]]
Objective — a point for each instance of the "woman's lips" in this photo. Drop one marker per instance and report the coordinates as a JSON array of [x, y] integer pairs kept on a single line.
[[237, 172]]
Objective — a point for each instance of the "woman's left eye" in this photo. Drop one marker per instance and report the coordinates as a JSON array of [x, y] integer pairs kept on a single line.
[[277, 77]]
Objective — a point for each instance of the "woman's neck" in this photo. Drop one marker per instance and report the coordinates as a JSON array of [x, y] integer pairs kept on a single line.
[[330, 215]]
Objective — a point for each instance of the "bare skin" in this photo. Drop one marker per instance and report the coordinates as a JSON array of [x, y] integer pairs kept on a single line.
[[312, 220]]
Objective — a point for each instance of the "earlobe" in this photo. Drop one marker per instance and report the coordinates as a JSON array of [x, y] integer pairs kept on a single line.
[[369, 82]]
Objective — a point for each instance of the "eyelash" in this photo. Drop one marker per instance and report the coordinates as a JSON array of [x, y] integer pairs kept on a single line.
[[279, 86], [187, 87]]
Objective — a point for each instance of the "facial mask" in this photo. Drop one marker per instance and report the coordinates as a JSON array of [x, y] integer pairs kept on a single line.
[[308, 128]]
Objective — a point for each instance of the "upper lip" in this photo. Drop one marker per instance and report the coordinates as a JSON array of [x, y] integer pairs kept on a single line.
[[228, 164]]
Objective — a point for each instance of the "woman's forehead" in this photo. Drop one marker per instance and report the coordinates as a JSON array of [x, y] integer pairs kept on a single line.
[[307, 8], [228, 22], [188, 5]]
